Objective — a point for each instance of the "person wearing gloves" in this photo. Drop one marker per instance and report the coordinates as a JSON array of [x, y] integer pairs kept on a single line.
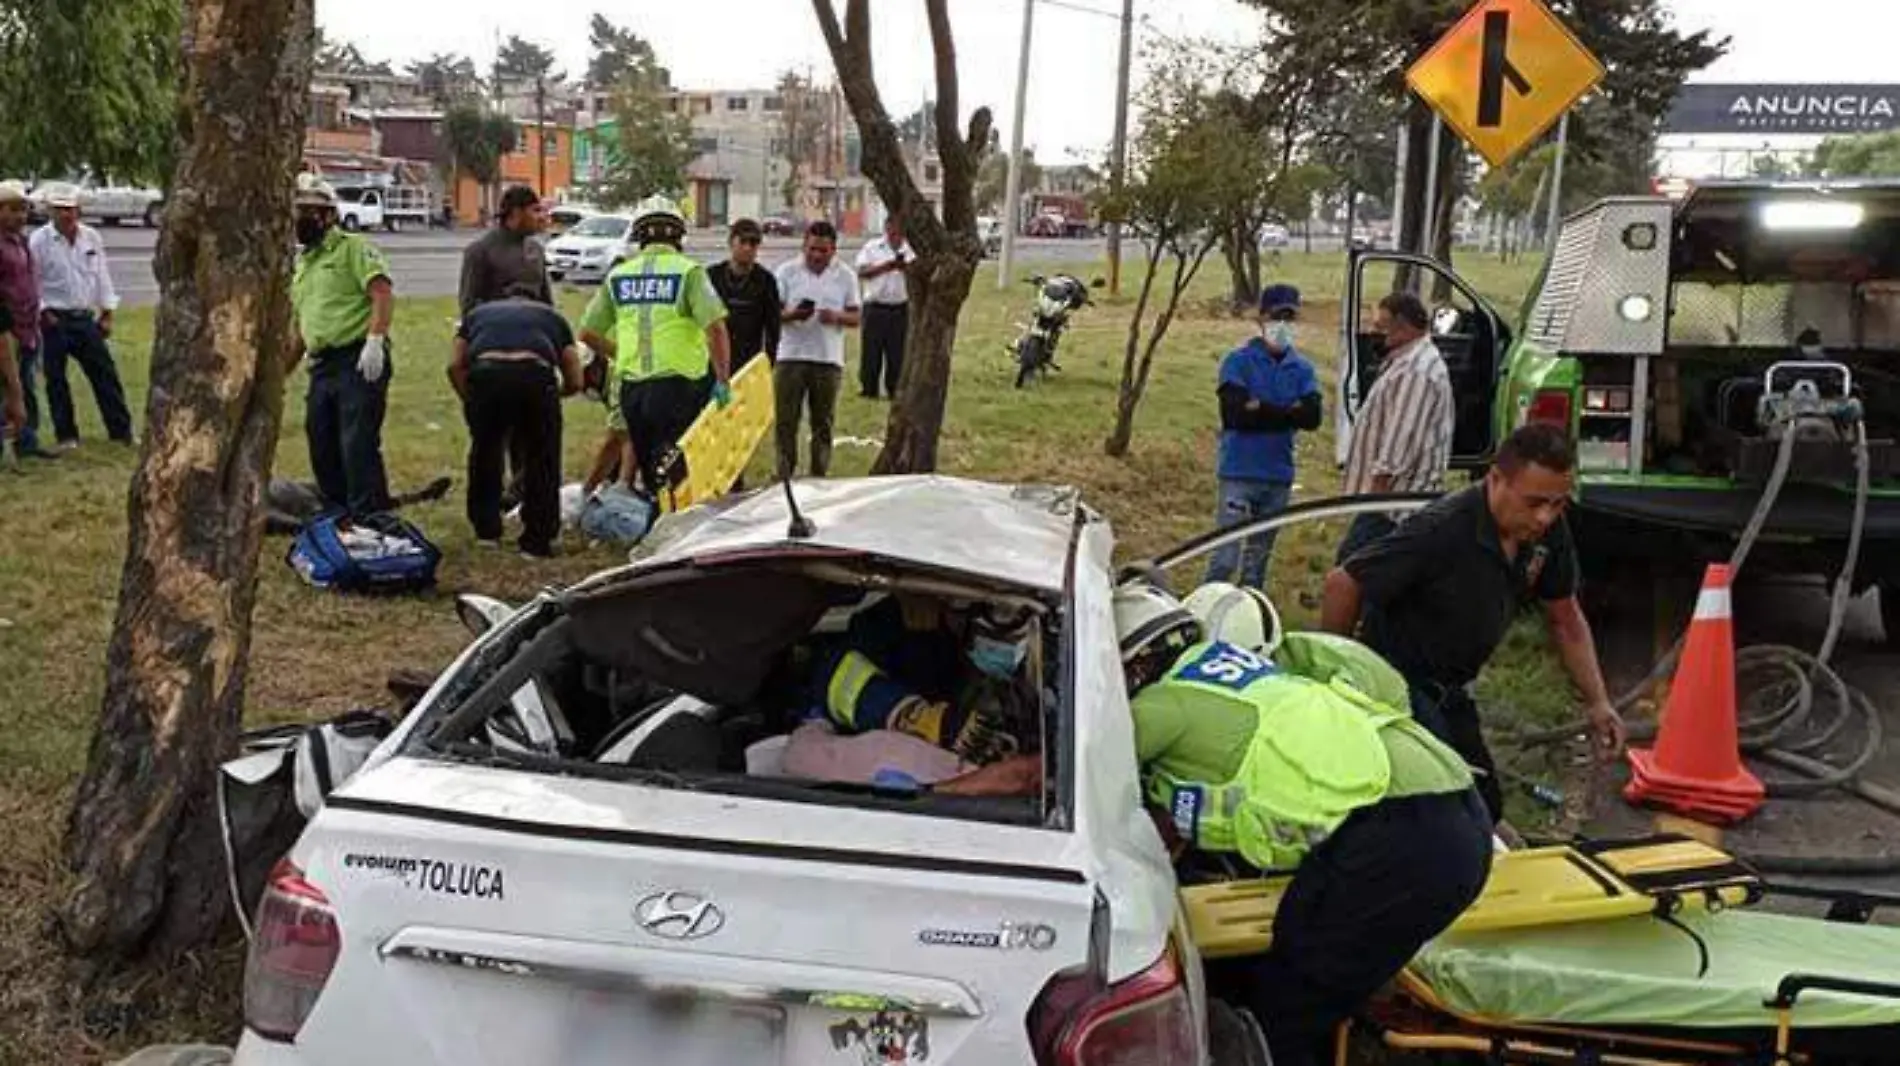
[[963, 681], [1268, 391], [343, 300], [658, 318], [1309, 763]]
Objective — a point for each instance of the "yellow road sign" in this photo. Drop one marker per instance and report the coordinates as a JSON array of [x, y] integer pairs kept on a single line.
[[1503, 74]]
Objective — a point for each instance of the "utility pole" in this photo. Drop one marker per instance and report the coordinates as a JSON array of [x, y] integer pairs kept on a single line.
[[541, 133], [1557, 184], [1013, 188], [1118, 157]]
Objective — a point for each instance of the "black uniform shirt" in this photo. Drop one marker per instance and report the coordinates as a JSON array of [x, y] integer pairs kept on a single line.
[[516, 325], [752, 309], [1437, 594]]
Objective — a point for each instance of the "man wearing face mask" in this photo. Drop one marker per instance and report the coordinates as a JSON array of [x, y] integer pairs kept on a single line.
[[960, 680], [343, 302], [1401, 439], [1268, 391]]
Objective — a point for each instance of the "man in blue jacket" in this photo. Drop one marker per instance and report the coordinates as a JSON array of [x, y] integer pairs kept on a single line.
[[1268, 391]]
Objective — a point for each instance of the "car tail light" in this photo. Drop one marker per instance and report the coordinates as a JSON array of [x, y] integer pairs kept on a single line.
[[1552, 406], [1145, 1020], [293, 950]]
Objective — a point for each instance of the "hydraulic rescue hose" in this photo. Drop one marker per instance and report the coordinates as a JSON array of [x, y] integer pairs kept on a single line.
[[1792, 717]]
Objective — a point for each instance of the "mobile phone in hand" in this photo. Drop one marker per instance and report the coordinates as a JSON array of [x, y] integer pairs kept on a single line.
[[806, 307]]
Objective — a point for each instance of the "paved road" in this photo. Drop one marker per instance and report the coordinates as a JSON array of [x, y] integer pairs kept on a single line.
[[429, 264]]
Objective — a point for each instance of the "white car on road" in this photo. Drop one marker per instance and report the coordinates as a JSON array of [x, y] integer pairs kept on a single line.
[[594, 246], [612, 886]]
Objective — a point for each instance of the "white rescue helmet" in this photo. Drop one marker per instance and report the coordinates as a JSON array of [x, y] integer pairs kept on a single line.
[[313, 191], [1237, 615], [657, 213], [1149, 619]]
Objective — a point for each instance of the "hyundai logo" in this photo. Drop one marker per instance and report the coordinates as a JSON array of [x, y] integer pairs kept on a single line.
[[678, 915]]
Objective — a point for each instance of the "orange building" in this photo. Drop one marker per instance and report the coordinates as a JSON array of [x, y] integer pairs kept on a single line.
[[523, 166]]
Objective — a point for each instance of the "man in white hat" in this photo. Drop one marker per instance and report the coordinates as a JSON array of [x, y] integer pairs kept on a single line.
[[76, 304], [343, 301], [20, 303]]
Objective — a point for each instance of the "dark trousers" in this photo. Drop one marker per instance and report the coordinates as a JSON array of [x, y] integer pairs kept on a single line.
[[515, 407], [1391, 878], [1452, 716], [796, 385], [76, 336], [343, 421], [1365, 529], [27, 436], [658, 412], [885, 327]]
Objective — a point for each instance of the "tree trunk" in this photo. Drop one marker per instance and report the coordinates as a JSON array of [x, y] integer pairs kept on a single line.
[[142, 836], [1128, 396], [938, 287]]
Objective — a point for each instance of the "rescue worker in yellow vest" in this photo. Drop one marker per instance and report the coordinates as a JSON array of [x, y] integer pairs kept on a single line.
[[1308, 762], [657, 316]]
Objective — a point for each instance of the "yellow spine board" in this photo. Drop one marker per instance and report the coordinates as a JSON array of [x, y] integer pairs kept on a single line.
[[715, 449], [1536, 887]]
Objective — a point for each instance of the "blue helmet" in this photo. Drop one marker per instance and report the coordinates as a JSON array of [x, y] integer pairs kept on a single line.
[[1279, 298]]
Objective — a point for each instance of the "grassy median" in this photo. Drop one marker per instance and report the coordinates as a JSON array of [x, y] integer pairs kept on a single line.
[[62, 541]]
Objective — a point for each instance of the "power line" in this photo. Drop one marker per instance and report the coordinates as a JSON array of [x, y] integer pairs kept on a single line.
[[1069, 5]]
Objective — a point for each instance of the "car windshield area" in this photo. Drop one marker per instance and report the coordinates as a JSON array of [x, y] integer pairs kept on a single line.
[[600, 226], [798, 679]]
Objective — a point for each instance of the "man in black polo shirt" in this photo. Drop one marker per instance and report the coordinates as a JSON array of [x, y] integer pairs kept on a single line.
[[514, 359], [1436, 595], [751, 295]]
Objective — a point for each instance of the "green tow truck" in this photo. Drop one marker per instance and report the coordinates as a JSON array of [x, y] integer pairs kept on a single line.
[[1681, 342]]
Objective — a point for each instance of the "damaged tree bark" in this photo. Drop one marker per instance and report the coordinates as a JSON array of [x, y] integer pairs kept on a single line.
[[947, 248], [142, 836]]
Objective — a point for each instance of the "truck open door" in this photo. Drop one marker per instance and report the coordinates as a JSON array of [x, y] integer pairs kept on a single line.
[[1472, 338]]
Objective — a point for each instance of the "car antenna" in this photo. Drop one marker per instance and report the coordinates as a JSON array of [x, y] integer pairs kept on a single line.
[[801, 527]]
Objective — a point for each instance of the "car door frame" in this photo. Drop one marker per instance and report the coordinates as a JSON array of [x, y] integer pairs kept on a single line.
[[1351, 396]]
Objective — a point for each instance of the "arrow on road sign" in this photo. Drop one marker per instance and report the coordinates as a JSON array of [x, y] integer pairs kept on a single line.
[[1497, 70], [1504, 74]]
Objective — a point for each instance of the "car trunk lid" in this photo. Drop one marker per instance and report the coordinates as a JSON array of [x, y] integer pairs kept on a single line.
[[511, 917]]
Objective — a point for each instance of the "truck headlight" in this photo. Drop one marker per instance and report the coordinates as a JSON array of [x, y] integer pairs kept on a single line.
[[1606, 400], [1636, 308]]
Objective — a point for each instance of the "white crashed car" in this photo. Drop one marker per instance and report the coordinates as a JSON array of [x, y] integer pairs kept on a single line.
[[559, 856]]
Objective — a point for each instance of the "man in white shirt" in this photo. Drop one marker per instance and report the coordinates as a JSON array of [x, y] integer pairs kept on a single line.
[[1401, 439], [881, 267], [76, 304], [820, 298]]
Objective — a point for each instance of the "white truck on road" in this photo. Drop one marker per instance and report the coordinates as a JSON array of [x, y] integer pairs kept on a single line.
[[390, 207]]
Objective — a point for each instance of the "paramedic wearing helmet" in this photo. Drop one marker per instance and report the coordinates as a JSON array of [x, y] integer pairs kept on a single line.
[[1308, 762], [961, 680], [343, 299], [658, 318], [1297, 766]]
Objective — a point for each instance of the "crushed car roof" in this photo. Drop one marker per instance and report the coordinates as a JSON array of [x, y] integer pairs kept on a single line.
[[1017, 534]]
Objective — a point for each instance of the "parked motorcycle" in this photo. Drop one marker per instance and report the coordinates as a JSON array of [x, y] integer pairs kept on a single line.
[[1057, 298]]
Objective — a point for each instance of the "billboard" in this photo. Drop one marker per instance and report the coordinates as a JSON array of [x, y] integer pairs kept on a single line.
[[1801, 109]]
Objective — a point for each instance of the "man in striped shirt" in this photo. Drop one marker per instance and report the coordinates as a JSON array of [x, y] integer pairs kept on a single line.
[[1401, 440]]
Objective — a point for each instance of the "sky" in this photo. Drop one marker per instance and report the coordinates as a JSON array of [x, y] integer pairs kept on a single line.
[[1071, 101]]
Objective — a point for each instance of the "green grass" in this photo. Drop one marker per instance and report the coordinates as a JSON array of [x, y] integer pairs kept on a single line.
[[62, 543]]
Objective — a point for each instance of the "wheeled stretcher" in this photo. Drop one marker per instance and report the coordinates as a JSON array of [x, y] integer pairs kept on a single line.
[[1640, 954]]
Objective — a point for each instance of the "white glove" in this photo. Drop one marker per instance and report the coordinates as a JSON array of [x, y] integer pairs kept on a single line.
[[375, 358]]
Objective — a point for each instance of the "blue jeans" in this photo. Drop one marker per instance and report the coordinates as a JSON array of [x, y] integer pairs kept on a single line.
[[28, 435], [1244, 501]]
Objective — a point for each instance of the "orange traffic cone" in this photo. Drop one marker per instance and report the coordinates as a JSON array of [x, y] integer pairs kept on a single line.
[[1696, 768]]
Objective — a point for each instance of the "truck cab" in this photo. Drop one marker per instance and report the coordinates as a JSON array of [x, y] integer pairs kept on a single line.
[[1681, 342]]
